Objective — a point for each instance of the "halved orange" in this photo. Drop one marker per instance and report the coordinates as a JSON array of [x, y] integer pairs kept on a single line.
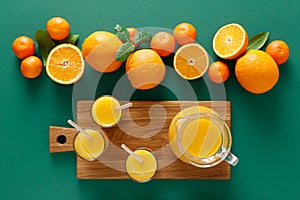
[[191, 61], [65, 64], [230, 41]]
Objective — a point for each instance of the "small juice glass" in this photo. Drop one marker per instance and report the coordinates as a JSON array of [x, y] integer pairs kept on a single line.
[[141, 171], [104, 112], [90, 148]]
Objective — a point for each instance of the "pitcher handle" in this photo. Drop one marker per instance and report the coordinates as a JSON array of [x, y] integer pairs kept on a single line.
[[232, 159]]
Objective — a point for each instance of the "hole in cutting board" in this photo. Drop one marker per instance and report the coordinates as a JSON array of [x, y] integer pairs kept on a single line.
[[61, 139]]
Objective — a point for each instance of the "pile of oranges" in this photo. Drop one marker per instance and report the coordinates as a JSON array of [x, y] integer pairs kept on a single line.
[[24, 47], [255, 70], [145, 68], [64, 64]]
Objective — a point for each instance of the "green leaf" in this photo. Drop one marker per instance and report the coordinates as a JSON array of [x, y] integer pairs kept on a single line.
[[45, 44], [71, 39], [124, 51], [122, 33], [258, 40], [142, 37]]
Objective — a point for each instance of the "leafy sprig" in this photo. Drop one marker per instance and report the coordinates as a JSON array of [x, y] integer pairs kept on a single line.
[[127, 47]]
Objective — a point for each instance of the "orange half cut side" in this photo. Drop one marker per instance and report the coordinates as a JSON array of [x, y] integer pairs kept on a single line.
[[65, 64], [230, 41], [191, 61]]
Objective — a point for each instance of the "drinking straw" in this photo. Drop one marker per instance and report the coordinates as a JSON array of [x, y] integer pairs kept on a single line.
[[131, 153], [78, 128], [127, 105]]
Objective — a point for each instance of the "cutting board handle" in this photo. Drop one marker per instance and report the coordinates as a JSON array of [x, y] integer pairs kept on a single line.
[[61, 139]]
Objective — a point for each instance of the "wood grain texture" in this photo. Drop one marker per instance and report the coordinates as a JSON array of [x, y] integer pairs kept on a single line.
[[146, 124], [55, 132]]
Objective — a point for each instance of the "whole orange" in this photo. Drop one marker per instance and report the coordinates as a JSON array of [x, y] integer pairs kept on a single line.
[[23, 47], [58, 28], [279, 51], [99, 49], [31, 67], [218, 72], [132, 32], [257, 71], [185, 33], [145, 69], [163, 43]]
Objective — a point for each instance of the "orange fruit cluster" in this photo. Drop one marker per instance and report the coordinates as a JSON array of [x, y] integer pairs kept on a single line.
[[255, 70], [65, 63], [24, 48]]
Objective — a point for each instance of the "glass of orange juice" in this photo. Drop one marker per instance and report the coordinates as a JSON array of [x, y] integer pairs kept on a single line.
[[204, 140], [90, 147], [104, 111], [141, 170]]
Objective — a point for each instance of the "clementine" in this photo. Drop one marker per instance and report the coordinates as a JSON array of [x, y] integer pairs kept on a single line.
[[163, 43], [279, 51], [185, 33], [23, 47], [218, 72], [99, 49], [145, 69], [58, 28], [31, 67]]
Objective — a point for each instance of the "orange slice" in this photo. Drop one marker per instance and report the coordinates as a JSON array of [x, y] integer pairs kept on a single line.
[[191, 61], [65, 64], [230, 41]]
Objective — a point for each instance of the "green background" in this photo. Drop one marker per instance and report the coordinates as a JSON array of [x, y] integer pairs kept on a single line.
[[264, 127]]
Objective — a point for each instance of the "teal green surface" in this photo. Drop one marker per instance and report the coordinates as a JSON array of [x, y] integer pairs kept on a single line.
[[264, 127]]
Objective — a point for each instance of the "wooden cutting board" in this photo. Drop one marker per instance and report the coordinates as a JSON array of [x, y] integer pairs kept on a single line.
[[137, 130]]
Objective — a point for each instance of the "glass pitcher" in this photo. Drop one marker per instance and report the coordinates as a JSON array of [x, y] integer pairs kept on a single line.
[[204, 140]]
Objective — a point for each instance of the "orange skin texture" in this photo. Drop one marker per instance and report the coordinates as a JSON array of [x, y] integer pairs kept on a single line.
[[257, 71], [104, 45], [218, 72], [279, 51], [145, 69], [31, 67], [58, 28], [185, 33], [23, 47], [163, 43]]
